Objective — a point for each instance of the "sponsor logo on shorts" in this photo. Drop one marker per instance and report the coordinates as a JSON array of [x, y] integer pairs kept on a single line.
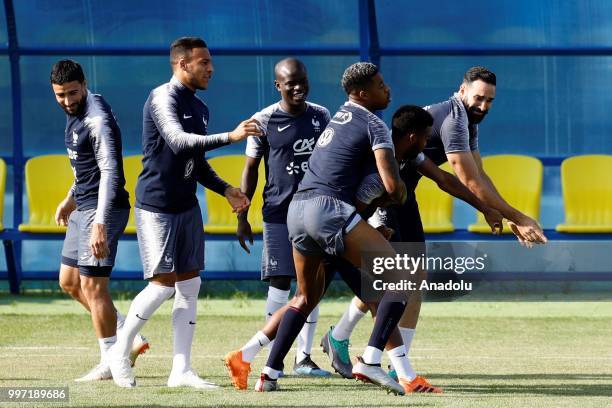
[[273, 263], [167, 259]]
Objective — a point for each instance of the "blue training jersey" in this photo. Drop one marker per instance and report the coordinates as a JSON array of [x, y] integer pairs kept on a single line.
[[343, 149], [93, 142], [286, 145], [451, 130], [174, 141]]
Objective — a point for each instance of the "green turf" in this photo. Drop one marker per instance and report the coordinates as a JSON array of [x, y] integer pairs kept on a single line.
[[484, 354]]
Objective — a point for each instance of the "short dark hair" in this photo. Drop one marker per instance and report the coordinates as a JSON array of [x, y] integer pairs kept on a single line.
[[66, 71], [358, 76], [479, 73], [182, 47], [409, 119]]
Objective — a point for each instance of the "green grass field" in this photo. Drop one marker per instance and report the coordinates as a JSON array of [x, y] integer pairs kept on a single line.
[[484, 354]]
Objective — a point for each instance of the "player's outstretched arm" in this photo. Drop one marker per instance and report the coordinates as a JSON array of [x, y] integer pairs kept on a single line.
[[249, 127], [468, 168], [163, 109], [250, 175], [389, 174], [451, 184]]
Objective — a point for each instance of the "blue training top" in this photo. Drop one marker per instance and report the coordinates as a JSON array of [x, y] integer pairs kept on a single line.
[[93, 142], [174, 141], [344, 148], [286, 145]]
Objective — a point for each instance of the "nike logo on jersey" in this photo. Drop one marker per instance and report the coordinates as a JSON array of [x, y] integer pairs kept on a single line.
[[190, 322], [141, 318], [280, 129], [187, 116]]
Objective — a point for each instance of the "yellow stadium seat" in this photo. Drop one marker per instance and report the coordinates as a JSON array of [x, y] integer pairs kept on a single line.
[[2, 188], [132, 166], [48, 180], [221, 219], [435, 206], [519, 181], [587, 194]]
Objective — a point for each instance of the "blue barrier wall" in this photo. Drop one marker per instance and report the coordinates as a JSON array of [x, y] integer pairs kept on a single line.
[[553, 60]]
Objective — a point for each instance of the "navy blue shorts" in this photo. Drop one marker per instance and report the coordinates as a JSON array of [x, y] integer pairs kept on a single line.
[[317, 223], [170, 242], [277, 255], [76, 251]]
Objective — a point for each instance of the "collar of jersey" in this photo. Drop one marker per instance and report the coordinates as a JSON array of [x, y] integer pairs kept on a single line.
[[280, 108], [350, 103], [174, 81], [458, 100]]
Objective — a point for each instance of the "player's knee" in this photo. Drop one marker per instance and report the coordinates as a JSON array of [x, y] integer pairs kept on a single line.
[[70, 287], [304, 303], [164, 279]]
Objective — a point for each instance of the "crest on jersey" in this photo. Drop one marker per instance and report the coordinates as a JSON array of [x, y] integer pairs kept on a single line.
[[326, 137], [342, 117], [75, 138], [316, 124], [189, 168]]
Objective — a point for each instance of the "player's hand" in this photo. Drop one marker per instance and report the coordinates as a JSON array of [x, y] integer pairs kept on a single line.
[[385, 231], [495, 220], [522, 240], [530, 230], [250, 127], [237, 199], [243, 233], [97, 242], [64, 209]]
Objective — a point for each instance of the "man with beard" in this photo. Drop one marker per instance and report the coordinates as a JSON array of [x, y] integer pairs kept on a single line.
[[95, 210], [454, 138], [168, 216]]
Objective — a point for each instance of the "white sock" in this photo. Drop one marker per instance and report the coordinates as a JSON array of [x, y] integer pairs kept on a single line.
[[253, 346], [277, 298], [306, 336], [142, 308], [401, 364], [347, 323], [407, 336], [105, 343], [372, 355], [183, 322], [270, 372], [120, 320]]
